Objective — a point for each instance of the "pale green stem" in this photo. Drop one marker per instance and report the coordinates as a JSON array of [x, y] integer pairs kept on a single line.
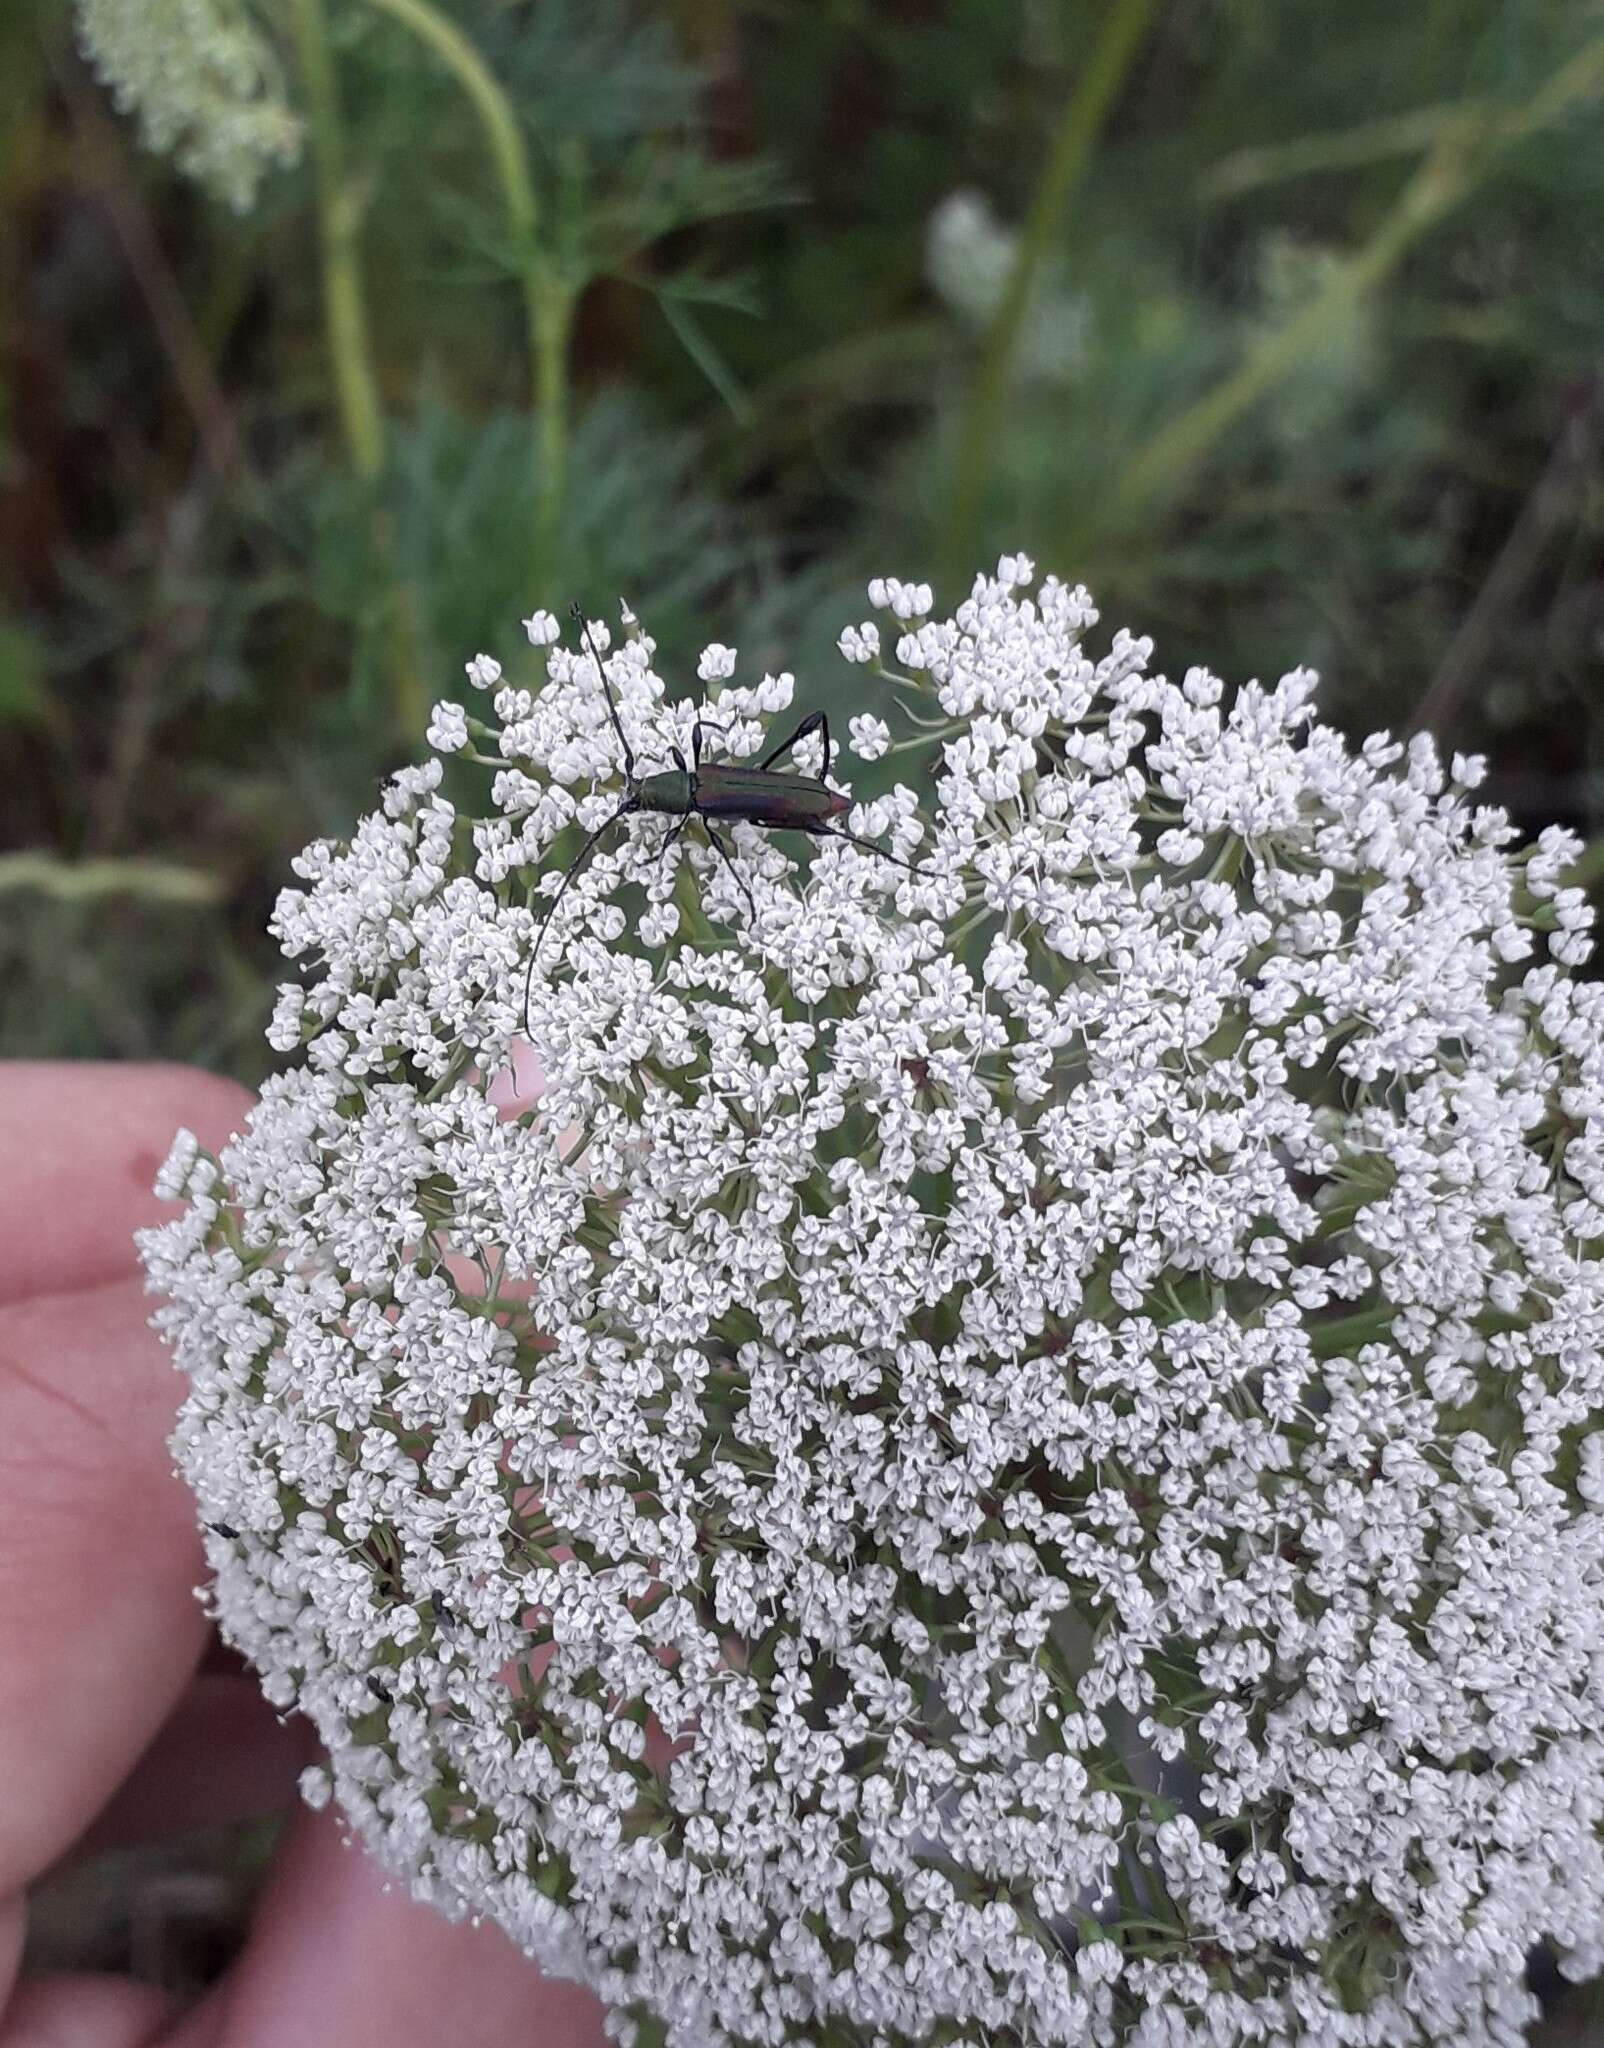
[[86, 881], [346, 320], [1350, 149], [1588, 868], [1169, 456], [1462, 150], [1083, 119], [343, 306], [1344, 1336], [548, 302]]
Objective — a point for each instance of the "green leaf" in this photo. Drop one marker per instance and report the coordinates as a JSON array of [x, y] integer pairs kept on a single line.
[[22, 692]]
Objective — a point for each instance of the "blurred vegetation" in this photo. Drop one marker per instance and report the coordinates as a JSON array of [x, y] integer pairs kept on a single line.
[[1283, 328]]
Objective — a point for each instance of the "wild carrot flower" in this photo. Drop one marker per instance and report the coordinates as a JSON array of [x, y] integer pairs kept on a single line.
[[1011, 1452], [205, 83]]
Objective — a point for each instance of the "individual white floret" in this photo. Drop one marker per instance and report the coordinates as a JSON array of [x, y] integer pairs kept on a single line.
[[448, 729]]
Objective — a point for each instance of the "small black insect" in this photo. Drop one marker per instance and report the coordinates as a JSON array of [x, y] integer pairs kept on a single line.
[[780, 803]]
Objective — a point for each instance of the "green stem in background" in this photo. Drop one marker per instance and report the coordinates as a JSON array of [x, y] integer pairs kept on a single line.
[[548, 301], [1175, 451], [1462, 150], [89, 881], [344, 309], [1411, 134], [350, 349], [1083, 120]]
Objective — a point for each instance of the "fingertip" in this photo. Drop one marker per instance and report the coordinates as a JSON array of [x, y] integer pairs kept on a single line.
[[78, 2009], [339, 1952], [94, 1134]]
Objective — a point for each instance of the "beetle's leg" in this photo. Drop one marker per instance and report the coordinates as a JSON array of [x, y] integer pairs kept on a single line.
[[574, 866], [723, 853], [814, 722], [662, 851]]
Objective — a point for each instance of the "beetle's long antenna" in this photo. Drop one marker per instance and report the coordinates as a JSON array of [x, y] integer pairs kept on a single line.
[[868, 845], [607, 688], [574, 866]]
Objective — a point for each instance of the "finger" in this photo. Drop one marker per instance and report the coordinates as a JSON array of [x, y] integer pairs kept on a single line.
[[78, 2010], [91, 1137], [13, 1932], [222, 1755], [518, 1084], [335, 1957], [99, 1627]]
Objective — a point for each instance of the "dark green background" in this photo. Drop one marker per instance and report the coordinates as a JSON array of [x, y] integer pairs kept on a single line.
[[1312, 372]]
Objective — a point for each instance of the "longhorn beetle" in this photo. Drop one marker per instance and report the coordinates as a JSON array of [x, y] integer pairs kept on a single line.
[[779, 803]]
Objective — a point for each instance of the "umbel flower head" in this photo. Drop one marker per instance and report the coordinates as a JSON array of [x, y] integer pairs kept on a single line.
[[1010, 1453], [205, 83]]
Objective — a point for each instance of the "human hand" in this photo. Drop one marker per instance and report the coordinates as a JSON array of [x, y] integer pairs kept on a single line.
[[110, 1730]]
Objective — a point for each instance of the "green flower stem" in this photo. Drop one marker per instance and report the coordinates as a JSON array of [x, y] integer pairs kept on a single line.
[[1588, 869], [346, 321], [1244, 170], [1171, 455], [548, 300], [87, 881], [1462, 150], [344, 308], [1082, 123]]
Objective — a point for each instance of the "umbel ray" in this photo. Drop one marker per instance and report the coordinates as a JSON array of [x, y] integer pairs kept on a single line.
[[716, 792]]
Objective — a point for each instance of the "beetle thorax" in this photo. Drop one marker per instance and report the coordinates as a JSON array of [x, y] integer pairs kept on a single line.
[[673, 790]]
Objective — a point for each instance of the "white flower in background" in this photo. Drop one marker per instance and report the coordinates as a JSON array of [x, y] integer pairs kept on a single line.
[[205, 83], [968, 256], [1048, 1489]]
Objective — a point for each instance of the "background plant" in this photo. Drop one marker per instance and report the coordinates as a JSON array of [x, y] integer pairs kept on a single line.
[[719, 304], [1291, 360]]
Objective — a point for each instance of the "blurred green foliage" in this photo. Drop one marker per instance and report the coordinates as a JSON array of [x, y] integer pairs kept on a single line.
[[1282, 327]]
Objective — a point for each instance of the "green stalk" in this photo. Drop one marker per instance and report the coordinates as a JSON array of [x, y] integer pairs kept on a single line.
[[1346, 1334], [89, 881], [1588, 868], [1411, 134], [1463, 149], [548, 302], [1170, 455], [1078, 131], [344, 309], [350, 349]]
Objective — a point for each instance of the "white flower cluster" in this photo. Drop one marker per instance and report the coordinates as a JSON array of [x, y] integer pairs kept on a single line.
[[204, 82], [1011, 1454], [969, 259]]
